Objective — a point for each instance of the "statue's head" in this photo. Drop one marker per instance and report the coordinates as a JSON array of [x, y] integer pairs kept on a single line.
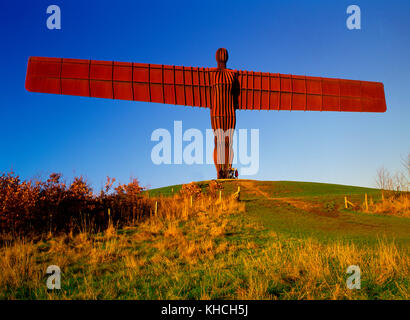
[[222, 57]]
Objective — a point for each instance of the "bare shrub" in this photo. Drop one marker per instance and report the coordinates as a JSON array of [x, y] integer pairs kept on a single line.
[[214, 187], [35, 207], [190, 189], [395, 191]]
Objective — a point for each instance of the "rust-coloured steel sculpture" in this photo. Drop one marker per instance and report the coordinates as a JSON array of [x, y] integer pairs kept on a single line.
[[220, 89]]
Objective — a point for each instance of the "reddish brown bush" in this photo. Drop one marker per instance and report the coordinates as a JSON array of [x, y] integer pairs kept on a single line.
[[17, 201], [43, 206], [190, 189], [214, 187]]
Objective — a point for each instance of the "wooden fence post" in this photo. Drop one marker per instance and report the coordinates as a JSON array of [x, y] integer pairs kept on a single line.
[[347, 202], [365, 200], [156, 208]]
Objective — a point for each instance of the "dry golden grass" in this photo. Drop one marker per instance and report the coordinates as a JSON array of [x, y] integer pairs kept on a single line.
[[182, 252], [309, 269], [17, 264], [394, 205]]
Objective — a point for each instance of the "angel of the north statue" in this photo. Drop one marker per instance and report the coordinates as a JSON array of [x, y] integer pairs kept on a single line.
[[220, 89]]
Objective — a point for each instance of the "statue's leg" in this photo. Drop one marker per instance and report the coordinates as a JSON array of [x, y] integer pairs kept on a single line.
[[218, 166], [228, 151], [214, 124], [219, 146], [223, 144], [229, 127]]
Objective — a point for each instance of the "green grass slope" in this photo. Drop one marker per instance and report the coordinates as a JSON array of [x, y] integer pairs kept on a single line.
[[293, 240], [300, 209]]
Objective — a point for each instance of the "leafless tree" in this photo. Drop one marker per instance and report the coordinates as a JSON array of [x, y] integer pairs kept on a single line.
[[406, 174], [396, 183], [383, 179]]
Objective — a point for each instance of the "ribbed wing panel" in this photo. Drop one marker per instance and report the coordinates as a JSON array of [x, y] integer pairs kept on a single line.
[[191, 86], [187, 86], [273, 91]]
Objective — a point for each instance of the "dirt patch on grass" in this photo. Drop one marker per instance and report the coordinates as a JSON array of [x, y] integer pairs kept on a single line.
[[312, 207], [251, 187], [321, 209]]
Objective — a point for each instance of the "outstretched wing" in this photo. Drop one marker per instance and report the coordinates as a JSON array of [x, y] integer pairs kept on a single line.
[[188, 86], [273, 91]]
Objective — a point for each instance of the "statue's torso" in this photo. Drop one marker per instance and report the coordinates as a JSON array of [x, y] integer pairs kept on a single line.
[[222, 93]]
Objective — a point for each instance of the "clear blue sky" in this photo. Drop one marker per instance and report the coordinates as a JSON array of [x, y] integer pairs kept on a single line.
[[42, 133]]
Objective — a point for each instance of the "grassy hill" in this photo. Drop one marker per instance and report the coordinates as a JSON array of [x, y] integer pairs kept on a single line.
[[311, 209], [283, 240]]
